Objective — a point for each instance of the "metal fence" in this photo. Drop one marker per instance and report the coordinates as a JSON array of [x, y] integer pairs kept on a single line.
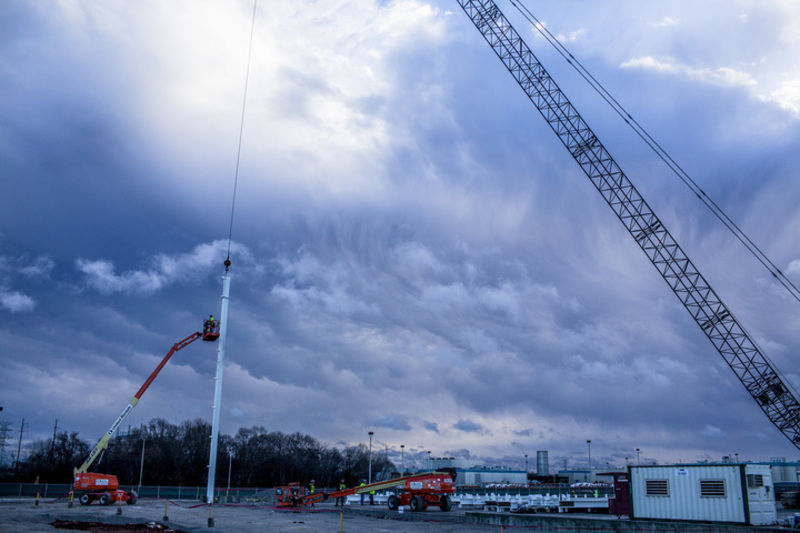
[[56, 490], [252, 494]]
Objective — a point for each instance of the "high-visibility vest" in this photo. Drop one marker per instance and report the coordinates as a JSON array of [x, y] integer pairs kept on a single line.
[[312, 489], [342, 486]]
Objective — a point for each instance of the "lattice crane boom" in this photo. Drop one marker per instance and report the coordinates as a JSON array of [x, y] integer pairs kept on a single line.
[[735, 345]]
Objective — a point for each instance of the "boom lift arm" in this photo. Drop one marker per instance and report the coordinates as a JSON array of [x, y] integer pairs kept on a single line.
[[103, 442], [734, 344]]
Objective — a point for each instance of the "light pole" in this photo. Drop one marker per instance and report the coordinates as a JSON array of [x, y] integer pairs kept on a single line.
[[526, 465], [429, 460], [371, 433], [637, 455], [141, 468], [589, 444], [402, 458], [230, 463]]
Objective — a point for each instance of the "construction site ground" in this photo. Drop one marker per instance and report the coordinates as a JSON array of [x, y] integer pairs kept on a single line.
[[20, 515]]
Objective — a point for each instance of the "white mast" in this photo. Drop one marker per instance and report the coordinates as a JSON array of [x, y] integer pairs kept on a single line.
[[223, 328]]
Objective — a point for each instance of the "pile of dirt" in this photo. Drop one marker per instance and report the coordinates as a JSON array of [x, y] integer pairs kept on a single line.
[[100, 527]]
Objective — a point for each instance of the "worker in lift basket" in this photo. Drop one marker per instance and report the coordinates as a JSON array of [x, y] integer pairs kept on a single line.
[[209, 324]]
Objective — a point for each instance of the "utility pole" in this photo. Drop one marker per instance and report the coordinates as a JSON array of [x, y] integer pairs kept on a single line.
[[19, 444], [5, 429], [402, 459], [53, 443]]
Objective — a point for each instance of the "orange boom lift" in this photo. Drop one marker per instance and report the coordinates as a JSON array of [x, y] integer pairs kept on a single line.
[[417, 491], [104, 488]]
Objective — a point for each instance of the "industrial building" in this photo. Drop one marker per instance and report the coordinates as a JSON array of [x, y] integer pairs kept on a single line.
[[473, 472]]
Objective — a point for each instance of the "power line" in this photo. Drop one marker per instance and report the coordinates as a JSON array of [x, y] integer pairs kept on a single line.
[[659, 150]]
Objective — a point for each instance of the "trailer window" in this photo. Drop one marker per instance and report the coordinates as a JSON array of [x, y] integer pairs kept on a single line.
[[755, 480], [712, 488], [656, 487]]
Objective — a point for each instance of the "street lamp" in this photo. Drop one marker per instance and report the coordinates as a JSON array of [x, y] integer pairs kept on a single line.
[[429, 460], [371, 433], [589, 444], [402, 458], [526, 465], [141, 468], [637, 455]]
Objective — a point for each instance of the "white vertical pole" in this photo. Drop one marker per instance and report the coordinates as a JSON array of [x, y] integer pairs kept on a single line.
[[223, 328], [141, 468]]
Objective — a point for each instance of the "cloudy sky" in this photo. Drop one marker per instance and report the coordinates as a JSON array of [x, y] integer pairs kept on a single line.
[[414, 253]]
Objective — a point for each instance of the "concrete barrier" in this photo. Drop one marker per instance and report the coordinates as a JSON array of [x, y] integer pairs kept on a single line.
[[565, 524]]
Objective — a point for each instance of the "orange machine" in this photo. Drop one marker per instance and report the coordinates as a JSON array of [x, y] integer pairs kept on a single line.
[[101, 487], [418, 492], [104, 488]]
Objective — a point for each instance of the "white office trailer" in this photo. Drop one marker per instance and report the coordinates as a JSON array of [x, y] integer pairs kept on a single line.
[[734, 493]]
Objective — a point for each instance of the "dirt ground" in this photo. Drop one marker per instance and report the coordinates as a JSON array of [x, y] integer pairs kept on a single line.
[[22, 516]]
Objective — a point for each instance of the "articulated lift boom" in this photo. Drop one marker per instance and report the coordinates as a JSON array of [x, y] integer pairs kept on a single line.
[[756, 372], [418, 491], [107, 485]]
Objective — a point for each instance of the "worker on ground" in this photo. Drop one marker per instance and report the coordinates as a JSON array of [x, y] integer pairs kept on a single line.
[[311, 489], [363, 482], [372, 497], [340, 499]]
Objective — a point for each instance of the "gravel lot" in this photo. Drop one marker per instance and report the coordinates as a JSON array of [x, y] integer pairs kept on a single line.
[[21, 516]]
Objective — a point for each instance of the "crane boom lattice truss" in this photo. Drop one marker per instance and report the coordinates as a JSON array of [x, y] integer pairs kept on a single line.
[[748, 362]]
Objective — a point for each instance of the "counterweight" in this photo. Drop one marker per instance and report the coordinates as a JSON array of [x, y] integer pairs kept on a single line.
[[735, 345]]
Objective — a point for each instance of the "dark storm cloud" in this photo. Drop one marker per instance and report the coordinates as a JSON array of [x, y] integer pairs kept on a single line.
[[413, 250], [392, 421], [431, 426], [468, 426]]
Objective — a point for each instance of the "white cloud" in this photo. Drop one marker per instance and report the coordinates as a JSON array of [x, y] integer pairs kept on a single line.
[[724, 76], [665, 22], [41, 267], [712, 431], [318, 80], [16, 302], [165, 269], [786, 96], [794, 267], [572, 36]]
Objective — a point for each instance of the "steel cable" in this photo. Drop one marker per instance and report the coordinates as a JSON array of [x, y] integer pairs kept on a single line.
[[659, 150]]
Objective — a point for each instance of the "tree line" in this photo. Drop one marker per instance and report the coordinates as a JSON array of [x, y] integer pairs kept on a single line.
[[178, 455]]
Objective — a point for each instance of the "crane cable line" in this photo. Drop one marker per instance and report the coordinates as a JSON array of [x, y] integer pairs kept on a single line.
[[662, 154], [670, 162], [241, 131]]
